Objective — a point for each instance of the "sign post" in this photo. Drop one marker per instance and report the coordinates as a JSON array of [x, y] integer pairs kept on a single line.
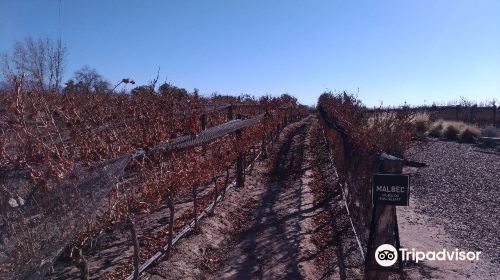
[[390, 188]]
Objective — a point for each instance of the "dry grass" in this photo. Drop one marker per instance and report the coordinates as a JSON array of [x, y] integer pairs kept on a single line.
[[469, 134], [380, 118], [453, 130], [436, 129], [421, 123], [489, 131]]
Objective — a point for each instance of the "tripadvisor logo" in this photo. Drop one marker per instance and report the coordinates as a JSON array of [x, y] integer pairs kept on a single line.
[[386, 255]]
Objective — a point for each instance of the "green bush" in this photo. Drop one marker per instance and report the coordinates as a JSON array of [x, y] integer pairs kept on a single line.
[[451, 133], [469, 135]]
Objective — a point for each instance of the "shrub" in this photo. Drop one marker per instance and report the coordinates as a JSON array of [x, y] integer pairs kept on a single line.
[[489, 131], [387, 131], [436, 130], [469, 134], [451, 132], [458, 125], [422, 123]]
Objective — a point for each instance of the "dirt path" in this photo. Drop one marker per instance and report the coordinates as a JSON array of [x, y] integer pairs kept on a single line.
[[222, 247], [272, 248], [288, 222], [301, 228]]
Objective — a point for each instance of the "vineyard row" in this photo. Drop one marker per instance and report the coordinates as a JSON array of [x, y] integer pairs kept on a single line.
[[103, 177]]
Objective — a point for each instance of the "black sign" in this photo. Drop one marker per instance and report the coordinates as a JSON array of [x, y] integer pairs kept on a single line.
[[391, 189]]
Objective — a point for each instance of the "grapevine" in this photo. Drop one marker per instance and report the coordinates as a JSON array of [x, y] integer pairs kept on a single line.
[[100, 163]]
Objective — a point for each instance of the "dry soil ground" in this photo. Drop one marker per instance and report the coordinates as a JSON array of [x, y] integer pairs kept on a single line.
[[276, 227]]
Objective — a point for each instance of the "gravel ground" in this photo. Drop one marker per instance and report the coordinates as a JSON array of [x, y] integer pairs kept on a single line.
[[460, 191]]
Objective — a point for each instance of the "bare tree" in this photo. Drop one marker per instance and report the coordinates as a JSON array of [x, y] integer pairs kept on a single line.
[[89, 77], [87, 80], [91, 80], [56, 65], [37, 60], [13, 74], [40, 62]]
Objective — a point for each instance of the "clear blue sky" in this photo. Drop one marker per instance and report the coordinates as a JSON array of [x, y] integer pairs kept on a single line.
[[395, 51]]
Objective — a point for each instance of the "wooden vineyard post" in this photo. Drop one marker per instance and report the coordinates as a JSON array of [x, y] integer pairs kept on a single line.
[[494, 108], [135, 242], [170, 202], [195, 205], [203, 121], [226, 181], [216, 193], [252, 158], [263, 147], [384, 224], [244, 168], [473, 110], [82, 265], [240, 169], [230, 113]]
